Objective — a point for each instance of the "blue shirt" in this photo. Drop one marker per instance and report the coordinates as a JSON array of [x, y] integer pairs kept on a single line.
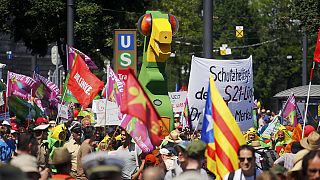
[[5, 152]]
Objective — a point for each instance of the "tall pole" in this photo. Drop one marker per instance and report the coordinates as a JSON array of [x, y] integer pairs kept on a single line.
[[304, 57], [70, 19], [207, 20]]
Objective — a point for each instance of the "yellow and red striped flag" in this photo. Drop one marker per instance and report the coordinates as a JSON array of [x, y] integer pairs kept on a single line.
[[227, 135], [207, 136]]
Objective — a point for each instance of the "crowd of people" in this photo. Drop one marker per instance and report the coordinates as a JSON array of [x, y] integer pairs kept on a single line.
[[77, 149]]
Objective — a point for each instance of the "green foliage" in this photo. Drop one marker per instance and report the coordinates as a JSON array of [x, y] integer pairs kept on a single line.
[[42, 23]]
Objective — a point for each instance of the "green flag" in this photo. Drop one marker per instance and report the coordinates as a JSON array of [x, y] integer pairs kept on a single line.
[[19, 107], [68, 96]]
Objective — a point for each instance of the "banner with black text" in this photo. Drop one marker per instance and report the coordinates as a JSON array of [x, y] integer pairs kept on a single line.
[[234, 80]]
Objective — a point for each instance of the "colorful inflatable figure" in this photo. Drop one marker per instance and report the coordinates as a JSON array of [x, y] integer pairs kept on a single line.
[[158, 29]]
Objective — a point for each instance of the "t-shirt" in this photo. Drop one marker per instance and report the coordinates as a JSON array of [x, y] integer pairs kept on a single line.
[[129, 162], [239, 175], [5, 152]]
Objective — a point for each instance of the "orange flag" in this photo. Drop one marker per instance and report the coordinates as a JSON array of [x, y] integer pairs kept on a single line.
[[136, 103], [82, 83]]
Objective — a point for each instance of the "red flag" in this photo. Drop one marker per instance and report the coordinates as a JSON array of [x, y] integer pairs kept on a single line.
[[135, 102], [82, 83], [316, 55]]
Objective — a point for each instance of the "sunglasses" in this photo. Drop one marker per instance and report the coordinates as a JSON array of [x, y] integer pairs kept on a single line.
[[313, 171], [242, 159]]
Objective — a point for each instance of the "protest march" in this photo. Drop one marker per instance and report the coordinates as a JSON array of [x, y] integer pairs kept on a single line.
[[134, 128]]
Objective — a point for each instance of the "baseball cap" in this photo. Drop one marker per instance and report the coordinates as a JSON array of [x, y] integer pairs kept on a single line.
[[151, 159], [41, 120], [183, 145], [196, 149], [164, 151], [14, 126]]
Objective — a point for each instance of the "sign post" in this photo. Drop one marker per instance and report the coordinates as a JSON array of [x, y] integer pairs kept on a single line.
[[125, 51]]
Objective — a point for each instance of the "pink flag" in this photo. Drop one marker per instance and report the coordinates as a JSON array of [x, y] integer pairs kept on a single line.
[[114, 87], [291, 111], [71, 57], [138, 132], [19, 85]]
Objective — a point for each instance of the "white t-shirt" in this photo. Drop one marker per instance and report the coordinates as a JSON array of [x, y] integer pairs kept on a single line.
[[238, 175]]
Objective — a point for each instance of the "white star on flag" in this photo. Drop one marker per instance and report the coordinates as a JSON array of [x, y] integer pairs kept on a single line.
[[210, 120]]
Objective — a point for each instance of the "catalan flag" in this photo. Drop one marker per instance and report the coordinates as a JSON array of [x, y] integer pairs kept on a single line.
[[227, 135], [207, 136]]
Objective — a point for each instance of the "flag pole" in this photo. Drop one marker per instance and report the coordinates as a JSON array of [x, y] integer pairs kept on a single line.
[[308, 97]]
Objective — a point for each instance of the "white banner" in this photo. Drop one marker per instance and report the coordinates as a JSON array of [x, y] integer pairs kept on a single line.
[[177, 100], [234, 80], [63, 111], [272, 128], [106, 112]]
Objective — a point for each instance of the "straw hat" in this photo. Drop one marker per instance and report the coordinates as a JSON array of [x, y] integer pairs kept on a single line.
[[312, 142], [256, 144], [173, 137], [297, 160]]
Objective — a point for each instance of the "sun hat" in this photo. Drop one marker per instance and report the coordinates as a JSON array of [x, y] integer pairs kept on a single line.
[[173, 137], [297, 160], [312, 142], [25, 162], [60, 155]]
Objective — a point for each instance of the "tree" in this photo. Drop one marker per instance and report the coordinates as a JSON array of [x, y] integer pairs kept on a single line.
[[42, 23]]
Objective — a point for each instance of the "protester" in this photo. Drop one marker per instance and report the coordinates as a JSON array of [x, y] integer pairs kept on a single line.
[[295, 172], [73, 146], [247, 165], [41, 134], [86, 148], [127, 151], [251, 135], [61, 159], [287, 158], [195, 154], [311, 165]]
